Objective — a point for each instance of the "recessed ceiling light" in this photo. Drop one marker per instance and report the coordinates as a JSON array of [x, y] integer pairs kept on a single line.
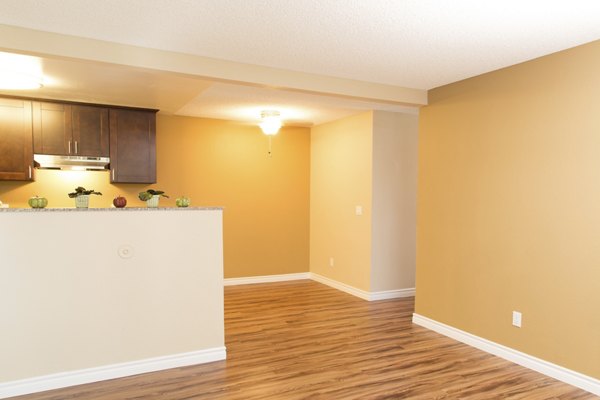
[[20, 72], [11, 80]]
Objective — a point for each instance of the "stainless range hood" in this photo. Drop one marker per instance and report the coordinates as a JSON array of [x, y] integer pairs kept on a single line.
[[77, 163]]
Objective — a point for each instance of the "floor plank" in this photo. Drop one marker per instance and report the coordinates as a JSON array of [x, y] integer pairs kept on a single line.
[[303, 340]]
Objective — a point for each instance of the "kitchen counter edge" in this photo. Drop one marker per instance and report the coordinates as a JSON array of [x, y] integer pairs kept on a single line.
[[114, 209]]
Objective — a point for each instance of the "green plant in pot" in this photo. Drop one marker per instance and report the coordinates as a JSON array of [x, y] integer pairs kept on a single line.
[[151, 197], [82, 196]]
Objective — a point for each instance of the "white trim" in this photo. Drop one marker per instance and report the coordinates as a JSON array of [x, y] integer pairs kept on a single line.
[[392, 294], [88, 375], [340, 286], [571, 377], [363, 294], [266, 279]]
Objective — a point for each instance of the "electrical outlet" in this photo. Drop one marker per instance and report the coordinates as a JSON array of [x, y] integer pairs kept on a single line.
[[331, 261], [358, 210], [516, 319]]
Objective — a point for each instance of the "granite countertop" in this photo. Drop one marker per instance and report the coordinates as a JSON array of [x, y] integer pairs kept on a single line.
[[110, 209]]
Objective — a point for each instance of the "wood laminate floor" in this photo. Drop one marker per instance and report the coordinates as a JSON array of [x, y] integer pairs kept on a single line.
[[304, 340]]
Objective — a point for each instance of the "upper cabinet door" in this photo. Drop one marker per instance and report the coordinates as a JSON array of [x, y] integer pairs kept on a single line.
[[90, 131], [16, 145], [52, 129], [132, 146], [70, 130]]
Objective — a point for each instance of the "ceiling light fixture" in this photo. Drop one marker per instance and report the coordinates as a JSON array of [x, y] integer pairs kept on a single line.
[[271, 122], [11, 80]]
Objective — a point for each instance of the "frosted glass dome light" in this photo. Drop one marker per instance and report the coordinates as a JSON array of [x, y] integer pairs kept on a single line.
[[271, 122]]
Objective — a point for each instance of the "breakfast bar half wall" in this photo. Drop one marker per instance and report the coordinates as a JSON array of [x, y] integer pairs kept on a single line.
[[96, 294]]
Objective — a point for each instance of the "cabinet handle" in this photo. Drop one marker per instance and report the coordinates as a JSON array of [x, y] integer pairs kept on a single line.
[[30, 172], [76, 151], [113, 174], [69, 147]]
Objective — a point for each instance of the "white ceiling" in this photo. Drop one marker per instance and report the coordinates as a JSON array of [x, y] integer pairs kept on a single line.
[[418, 44], [223, 101]]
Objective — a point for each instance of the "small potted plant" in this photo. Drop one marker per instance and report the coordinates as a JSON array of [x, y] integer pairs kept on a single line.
[[151, 197], [82, 196]]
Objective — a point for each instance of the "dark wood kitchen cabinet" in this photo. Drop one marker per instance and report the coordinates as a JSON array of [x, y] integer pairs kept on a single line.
[[91, 133], [51, 128], [16, 140], [132, 146], [70, 129]]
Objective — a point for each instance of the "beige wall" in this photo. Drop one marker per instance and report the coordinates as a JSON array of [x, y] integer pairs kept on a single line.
[[394, 201], [70, 302], [508, 207], [341, 168], [220, 163]]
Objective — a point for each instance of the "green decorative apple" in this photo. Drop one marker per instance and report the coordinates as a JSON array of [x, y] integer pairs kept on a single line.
[[182, 202], [38, 202]]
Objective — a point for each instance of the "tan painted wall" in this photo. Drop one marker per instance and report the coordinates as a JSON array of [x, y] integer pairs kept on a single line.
[[218, 163], [394, 201], [508, 207], [341, 168]]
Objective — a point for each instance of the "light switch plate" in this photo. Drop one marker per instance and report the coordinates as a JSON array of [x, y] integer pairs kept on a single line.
[[516, 319]]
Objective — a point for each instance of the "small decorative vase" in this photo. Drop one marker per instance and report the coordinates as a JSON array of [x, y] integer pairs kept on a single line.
[[153, 202], [82, 201]]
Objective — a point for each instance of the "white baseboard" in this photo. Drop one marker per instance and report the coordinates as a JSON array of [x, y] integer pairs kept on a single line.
[[79, 377], [392, 294], [363, 294], [266, 279], [574, 378]]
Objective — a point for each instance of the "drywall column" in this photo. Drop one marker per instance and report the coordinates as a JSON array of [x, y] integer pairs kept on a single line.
[[369, 161], [394, 201], [340, 180]]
